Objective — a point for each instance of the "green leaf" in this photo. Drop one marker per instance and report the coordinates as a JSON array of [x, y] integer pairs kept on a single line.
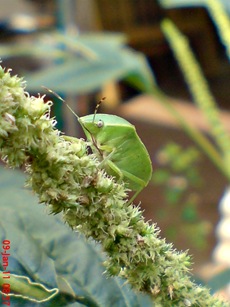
[[50, 263], [80, 75], [83, 63], [141, 75], [219, 281], [180, 3]]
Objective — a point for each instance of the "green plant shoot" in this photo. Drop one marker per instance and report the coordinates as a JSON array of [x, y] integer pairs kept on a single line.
[[117, 145]]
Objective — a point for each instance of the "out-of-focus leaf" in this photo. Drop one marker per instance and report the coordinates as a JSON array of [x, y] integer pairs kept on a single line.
[[189, 3], [58, 46], [49, 259], [77, 76], [219, 281], [83, 63], [141, 75], [180, 3]]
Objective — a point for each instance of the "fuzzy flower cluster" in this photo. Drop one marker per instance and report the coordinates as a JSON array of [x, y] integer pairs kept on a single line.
[[199, 86], [70, 180]]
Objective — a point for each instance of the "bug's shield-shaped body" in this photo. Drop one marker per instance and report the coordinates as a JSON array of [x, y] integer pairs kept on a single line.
[[120, 149]]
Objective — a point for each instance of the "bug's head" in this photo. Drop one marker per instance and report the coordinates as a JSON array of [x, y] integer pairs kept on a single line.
[[92, 124]]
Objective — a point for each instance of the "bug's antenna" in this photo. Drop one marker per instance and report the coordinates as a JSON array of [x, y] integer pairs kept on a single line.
[[59, 97], [83, 126], [97, 107]]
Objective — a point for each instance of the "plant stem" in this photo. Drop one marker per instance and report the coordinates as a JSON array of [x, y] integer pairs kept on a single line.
[[201, 93], [199, 139], [69, 180]]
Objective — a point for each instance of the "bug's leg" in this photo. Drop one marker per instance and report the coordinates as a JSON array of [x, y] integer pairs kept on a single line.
[[107, 159], [133, 197], [114, 168], [121, 174], [138, 182]]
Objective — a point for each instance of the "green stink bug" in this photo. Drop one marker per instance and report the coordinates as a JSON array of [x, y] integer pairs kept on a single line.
[[116, 144], [119, 148]]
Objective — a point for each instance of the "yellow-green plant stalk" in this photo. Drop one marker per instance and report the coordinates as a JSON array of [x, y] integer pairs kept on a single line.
[[197, 136], [69, 180], [199, 89], [221, 18]]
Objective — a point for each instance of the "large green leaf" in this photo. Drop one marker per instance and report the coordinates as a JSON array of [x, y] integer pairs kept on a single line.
[[58, 46], [180, 3], [83, 63], [98, 62], [50, 263], [219, 281]]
